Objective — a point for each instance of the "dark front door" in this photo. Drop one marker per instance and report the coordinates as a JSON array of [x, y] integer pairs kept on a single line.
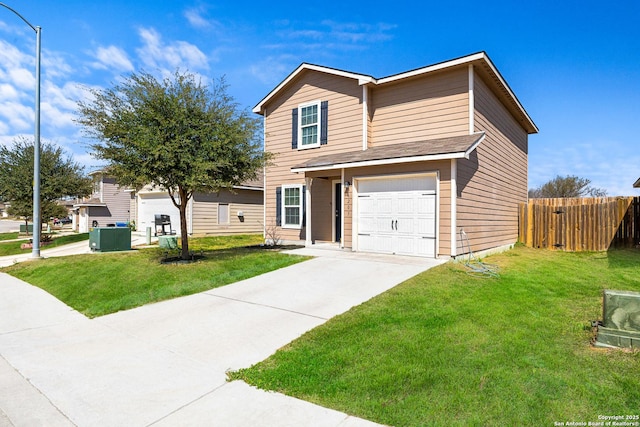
[[338, 213]]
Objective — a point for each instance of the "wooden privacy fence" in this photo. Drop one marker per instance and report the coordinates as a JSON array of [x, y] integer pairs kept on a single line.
[[588, 224]]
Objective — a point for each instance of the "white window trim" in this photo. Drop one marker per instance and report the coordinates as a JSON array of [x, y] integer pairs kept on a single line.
[[319, 124], [284, 207]]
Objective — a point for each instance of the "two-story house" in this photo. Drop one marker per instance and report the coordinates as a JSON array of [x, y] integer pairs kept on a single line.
[[108, 204], [400, 164]]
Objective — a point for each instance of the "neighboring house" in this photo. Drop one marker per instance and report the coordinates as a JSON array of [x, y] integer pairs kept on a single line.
[[109, 204], [400, 164], [235, 211]]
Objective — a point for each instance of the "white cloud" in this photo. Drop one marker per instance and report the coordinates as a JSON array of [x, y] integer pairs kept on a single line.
[[271, 70], [195, 18], [332, 35], [54, 65], [22, 78], [8, 92], [114, 58], [17, 116], [12, 57], [178, 54]]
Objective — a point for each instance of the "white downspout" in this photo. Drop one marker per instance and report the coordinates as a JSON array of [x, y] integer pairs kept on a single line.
[[264, 177], [308, 183], [342, 191], [365, 116], [454, 209], [471, 102]]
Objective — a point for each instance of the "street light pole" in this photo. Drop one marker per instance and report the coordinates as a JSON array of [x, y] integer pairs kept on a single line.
[[37, 222]]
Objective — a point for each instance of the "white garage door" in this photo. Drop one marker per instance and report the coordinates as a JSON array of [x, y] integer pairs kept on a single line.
[[397, 216], [152, 204]]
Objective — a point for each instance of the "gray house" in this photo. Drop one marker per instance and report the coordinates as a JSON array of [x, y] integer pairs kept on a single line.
[[108, 205]]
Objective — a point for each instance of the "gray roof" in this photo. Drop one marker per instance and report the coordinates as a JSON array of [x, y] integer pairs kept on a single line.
[[431, 149], [637, 183]]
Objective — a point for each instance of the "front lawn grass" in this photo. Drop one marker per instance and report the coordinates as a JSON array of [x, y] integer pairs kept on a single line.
[[445, 348], [8, 236], [99, 284], [13, 248]]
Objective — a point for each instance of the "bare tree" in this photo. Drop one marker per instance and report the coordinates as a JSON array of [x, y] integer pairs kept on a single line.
[[565, 187]]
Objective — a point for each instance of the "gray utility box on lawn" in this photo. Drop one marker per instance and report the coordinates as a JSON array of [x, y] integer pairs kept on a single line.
[[620, 320], [108, 239], [24, 228]]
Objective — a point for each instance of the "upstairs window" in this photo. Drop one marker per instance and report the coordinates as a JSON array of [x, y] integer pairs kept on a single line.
[[309, 125]]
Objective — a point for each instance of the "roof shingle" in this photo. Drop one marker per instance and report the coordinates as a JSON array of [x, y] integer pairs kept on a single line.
[[454, 146]]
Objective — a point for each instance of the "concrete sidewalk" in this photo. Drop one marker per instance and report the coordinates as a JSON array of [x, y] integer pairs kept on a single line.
[[165, 364]]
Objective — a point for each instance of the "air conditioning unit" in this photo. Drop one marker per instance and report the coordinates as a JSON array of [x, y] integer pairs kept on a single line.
[[620, 326]]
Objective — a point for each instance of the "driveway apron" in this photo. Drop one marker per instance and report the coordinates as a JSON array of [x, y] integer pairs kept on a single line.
[[165, 364]]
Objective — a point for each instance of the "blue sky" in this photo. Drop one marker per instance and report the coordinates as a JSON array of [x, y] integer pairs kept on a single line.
[[575, 66]]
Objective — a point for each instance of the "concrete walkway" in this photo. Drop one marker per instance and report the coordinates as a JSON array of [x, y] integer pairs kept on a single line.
[[164, 364]]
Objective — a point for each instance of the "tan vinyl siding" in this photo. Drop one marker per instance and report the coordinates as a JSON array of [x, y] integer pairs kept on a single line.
[[205, 212], [344, 132], [422, 108], [494, 180]]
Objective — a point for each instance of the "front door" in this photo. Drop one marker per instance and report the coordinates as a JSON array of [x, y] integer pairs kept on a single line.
[[337, 205]]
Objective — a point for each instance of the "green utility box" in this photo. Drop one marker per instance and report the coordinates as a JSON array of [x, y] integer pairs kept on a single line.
[[23, 228], [109, 239]]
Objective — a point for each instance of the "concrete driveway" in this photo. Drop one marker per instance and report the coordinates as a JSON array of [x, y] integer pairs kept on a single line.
[[164, 364]]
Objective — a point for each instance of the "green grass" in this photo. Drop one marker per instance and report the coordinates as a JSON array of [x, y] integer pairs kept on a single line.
[[98, 284], [8, 236], [13, 248], [445, 348]]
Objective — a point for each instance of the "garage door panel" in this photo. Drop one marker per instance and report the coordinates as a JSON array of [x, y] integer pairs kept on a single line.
[[367, 225], [375, 243], [405, 226], [384, 204], [426, 204], [406, 203], [426, 247]]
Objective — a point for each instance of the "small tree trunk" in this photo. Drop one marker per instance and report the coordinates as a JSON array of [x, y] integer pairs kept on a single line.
[[26, 225], [184, 236]]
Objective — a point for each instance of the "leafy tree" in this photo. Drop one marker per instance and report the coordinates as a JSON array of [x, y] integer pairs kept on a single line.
[[59, 176], [564, 187], [176, 133]]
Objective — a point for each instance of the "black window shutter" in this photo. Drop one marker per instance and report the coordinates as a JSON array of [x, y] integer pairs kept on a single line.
[[304, 205], [294, 128], [279, 206], [324, 116]]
